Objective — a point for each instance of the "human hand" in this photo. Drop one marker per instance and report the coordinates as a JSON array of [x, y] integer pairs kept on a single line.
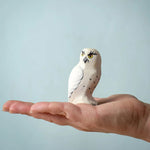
[[122, 114]]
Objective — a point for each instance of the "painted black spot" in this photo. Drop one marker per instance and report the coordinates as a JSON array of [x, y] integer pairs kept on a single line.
[[89, 88], [90, 79], [83, 85]]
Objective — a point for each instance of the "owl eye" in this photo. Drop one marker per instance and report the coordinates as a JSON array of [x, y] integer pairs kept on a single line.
[[82, 53], [90, 55]]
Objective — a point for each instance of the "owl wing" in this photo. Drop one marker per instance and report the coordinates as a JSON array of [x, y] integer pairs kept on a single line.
[[74, 80]]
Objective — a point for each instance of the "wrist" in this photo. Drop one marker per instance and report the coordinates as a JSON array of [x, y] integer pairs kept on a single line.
[[141, 128], [146, 127]]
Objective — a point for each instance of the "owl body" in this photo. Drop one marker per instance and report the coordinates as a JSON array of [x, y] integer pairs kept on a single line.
[[85, 77]]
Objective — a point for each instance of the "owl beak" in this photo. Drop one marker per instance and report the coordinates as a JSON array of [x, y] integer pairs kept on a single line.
[[85, 60]]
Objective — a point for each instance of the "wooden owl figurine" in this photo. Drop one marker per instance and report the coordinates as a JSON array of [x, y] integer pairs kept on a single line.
[[85, 77]]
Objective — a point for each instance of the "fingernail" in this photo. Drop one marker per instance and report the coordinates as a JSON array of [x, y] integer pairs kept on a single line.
[[31, 111]]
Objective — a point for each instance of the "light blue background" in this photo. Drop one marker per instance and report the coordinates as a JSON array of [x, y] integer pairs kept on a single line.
[[40, 42]]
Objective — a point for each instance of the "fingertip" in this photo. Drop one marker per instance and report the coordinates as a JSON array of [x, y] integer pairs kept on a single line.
[[7, 105], [32, 110], [5, 108], [12, 110], [34, 107], [39, 107]]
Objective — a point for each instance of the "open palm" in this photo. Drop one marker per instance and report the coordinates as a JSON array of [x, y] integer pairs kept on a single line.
[[121, 114]]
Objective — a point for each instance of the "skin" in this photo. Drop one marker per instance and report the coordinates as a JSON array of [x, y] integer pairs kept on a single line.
[[121, 114]]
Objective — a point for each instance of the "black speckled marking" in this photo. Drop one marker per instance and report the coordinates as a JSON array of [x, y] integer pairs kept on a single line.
[[83, 85], [89, 88], [90, 79]]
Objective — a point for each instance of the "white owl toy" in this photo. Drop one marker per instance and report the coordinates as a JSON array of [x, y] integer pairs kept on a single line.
[[85, 77]]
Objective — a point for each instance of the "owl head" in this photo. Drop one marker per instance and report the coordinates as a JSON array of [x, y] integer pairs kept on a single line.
[[90, 57]]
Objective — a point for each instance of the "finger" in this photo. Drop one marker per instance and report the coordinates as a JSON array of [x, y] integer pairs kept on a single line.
[[7, 105], [70, 111], [48, 107], [57, 119], [20, 107]]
